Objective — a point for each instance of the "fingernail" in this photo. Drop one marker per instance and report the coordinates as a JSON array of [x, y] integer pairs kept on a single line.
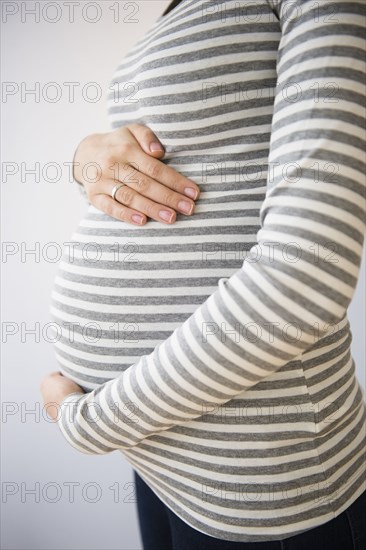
[[166, 215], [155, 146], [190, 192], [137, 218], [187, 207]]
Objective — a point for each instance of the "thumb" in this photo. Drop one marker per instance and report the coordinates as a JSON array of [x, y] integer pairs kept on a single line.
[[147, 140]]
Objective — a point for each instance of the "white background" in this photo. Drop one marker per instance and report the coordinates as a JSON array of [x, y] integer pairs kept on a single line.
[[33, 450]]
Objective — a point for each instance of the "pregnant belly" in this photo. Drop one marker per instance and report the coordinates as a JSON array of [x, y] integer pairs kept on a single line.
[[121, 290]]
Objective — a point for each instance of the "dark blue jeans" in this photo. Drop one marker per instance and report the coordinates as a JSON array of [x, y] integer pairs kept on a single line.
[[161, 529]]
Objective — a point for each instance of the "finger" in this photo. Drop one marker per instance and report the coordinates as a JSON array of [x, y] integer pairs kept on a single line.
[[128, 205], [164, 174], [147, 140], [102, 200], [150, 189], [134, 200], [116, 210]]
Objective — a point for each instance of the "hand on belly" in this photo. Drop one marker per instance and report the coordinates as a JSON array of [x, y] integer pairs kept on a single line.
[[54, 388]]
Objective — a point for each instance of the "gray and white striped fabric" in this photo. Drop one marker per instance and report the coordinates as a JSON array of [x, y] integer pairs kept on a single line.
[[216, 351]]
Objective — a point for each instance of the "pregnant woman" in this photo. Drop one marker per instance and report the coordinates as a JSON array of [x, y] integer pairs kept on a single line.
[[212, 347]]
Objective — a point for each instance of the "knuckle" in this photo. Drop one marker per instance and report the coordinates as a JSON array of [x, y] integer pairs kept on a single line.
[[121, 213], [142, 185], [154, 170], [125, 195], [169, 200], [126, 149], [174, 185], [149, 210]]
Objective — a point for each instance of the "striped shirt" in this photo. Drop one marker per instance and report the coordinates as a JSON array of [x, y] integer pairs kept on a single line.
[[216, 352]]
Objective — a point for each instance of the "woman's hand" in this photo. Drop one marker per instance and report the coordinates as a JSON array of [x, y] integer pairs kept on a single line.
[[131, 155], [54, 388]]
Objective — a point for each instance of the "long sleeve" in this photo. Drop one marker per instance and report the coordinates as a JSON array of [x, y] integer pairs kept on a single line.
[[299, 278]]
